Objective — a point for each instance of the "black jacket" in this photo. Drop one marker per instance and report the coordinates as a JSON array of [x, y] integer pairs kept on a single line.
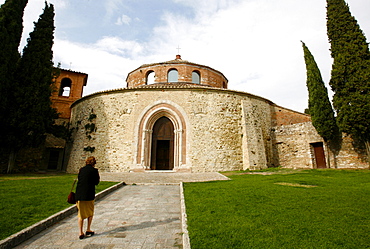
[[88, 177]]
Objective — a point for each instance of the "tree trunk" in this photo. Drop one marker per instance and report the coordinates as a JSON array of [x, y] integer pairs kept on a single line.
[[327, 148], [367, 144], [333, 148], [11, 161]]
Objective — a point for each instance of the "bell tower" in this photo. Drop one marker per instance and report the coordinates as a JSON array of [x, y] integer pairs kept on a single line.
[[68, 88]]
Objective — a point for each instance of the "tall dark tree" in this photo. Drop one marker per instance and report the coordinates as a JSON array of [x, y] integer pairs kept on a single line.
[[33, 115], [350, 75], [319, 106], [11, 27], [35, 79]]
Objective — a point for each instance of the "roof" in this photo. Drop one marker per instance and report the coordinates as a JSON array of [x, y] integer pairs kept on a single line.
[[54, 142], [71, 71], [170, 85], [179, 85], [75, 72]]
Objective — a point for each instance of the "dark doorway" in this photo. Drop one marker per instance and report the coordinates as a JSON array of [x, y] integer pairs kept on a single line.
[[319, 154], [163, 155], [53, 159], [162, 145]]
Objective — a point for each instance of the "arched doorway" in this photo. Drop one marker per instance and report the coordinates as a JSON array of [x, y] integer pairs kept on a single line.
[[161, 119], [162, 155]]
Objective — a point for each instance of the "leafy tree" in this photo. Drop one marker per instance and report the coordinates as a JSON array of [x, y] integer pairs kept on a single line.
[[11, 27], [33, 116], [350, 75], [319, 106]]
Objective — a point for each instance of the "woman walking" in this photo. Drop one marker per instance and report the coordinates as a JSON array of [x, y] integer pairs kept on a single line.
[[88, 177]]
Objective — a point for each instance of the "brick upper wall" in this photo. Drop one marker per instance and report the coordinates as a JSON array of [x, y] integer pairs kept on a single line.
[[285, 116], [208, 76]]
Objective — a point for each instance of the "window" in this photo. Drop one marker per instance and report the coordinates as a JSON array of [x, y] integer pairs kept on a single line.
[[65, 87], [195, 77], [173, 76], [150, 77]]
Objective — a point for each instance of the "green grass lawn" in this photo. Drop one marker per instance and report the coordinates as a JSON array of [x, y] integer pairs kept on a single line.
[[27, 199], [300, 209]]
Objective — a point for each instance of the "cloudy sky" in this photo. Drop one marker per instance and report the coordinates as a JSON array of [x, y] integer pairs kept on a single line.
[[254, 43]]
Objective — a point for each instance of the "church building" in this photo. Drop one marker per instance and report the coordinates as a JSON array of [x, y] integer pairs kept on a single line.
[[180, 116]]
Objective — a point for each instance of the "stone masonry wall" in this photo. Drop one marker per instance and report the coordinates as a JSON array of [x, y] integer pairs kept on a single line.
[[257, 139], [295, 151], [352, 155], [225, 130], [215, 131], [213, 118], [113, 138], [293, 144]]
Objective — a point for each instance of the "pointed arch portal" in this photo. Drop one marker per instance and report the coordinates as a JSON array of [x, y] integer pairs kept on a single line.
[[161, 139]]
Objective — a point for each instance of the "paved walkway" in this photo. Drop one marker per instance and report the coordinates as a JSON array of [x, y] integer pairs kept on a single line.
[[161, 177], [144, 215]]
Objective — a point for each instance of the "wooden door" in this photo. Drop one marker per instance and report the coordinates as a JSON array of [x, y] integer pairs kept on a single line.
[[319, 155], [163, 155], [162, 145]]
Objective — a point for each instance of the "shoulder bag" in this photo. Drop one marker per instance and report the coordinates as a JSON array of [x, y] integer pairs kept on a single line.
[[72, 196]]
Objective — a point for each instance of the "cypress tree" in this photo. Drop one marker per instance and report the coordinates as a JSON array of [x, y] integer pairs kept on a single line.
[[350, 75], [35, 117], [11, 27], [319, 106]]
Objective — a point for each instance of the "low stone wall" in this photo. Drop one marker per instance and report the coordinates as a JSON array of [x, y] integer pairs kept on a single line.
[[351, 155], [294, 145]]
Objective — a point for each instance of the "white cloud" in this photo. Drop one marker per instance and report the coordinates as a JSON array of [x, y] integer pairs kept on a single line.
[[111, 7], [105, 70], [123, 20], [31, 14], [115, 45], [254, 43], [60, 4], [203, 9]]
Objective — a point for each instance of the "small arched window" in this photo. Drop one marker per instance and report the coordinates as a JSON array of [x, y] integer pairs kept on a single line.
[[150, 77], [195, 77], [173, 76], [65, 87]]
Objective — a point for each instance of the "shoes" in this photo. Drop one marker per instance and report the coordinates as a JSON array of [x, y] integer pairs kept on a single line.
[[87, 233]]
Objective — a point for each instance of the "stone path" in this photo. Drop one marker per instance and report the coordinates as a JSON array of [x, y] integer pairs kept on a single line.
[[161, 177], [147, 214]]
